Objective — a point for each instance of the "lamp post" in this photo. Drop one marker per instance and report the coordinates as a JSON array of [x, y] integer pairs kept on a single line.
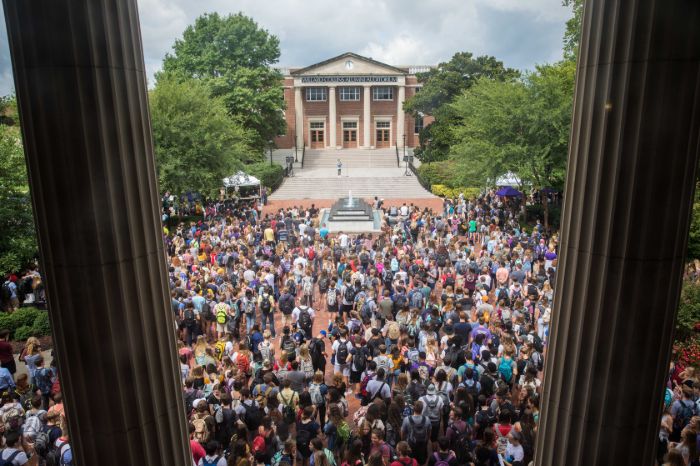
[[270, 146], [295, 137], [405, 158]]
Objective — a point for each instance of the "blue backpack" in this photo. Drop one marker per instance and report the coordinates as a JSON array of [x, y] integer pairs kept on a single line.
[[505, 369]]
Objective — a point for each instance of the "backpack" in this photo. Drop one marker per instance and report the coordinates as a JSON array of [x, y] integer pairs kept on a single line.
[[364, 394], [685, 413], [261, 399], [219, 349], [461, 444], [221, 316], [6, 292], [54, 457], [419, 433], [341, 354], [288, 410], [360, 359], [388, 278], [201, 430], [401, 301], [505, 369], [303, 436], [189, 317], [432, 411], [417, 299], [214, 462], [249, 307], [473, 387], [286, 303], [350, 294], [207, 313], [43, 380], [304, 318], [316, 396], [243, 364], [253, 416], [288, 346], [443, 462], [265, 304], [445, 399], [307, 286], [332, 297]]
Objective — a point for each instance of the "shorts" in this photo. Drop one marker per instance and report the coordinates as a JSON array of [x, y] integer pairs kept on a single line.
[[355, 377], [342, 369], [221, 328]]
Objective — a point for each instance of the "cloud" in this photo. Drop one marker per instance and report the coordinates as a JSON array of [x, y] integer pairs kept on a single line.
[[522, 33]]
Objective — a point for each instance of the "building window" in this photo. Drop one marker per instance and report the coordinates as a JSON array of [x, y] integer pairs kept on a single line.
[[418, 124], [349, 125], [316, 124], [383, 93], [315, 94], [349, 93], [383, 124]]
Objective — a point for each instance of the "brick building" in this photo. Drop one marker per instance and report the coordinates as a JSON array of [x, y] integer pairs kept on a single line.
[[350, 101]]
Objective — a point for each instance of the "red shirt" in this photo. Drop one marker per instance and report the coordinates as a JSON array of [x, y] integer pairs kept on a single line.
[[6, 351], [406, 461], [197, 451]]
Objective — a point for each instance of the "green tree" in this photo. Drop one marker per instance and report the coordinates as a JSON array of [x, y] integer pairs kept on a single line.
[[440, 86], [18, 244], [196, 143], [519, 126], [572, 34], [234, 57], [694, 233]]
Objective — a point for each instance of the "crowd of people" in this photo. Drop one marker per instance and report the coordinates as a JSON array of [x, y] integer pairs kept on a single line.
[[419, 345]]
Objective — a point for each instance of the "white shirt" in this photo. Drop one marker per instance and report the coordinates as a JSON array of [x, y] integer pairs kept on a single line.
[[297, 311], [343, 240]]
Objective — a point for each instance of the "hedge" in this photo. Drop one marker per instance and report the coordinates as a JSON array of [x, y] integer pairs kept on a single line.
[[26, 322], [441, 173], [452, 193], [270, 176]]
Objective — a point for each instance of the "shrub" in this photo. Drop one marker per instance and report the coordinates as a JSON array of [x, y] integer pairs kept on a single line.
[[41, 325], [442, 173], [688, 310], [26, 322], [536, 211], [451, 193], [270, 176], [23, 333]]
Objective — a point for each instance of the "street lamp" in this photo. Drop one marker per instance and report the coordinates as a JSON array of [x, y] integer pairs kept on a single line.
[[270, 145], [405, 157]]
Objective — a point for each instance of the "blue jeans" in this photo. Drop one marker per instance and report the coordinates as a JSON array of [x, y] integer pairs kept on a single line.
[[249, 322], [271, 317]]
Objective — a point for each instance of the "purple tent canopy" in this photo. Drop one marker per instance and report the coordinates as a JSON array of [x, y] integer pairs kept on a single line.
[[508, 191]]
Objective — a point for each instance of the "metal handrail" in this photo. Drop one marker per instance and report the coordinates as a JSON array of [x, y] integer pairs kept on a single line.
[[303, 152], [398, 162]]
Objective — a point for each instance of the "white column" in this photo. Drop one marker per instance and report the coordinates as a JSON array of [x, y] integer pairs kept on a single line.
[[299, 117], [332, 141], [400, 117], [366, 118]]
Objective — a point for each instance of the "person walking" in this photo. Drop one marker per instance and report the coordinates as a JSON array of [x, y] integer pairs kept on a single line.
[[339, 165]]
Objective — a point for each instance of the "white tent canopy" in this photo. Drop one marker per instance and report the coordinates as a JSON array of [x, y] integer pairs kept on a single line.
[[241, 179], [508, 179]]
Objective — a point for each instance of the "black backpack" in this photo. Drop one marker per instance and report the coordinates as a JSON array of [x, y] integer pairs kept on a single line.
[[207, 313], [286, 303], [341, 354], [420, 432], [288, 345], [304, 318], [253, 416], [189, 317], [349, 294], [359, 359], [461, 444], [5, 292], [265, 305]]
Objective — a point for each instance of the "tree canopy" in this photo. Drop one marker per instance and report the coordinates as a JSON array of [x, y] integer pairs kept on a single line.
[[440, 86], [520, 126], [197, 143], [233, 56], [18, 244]]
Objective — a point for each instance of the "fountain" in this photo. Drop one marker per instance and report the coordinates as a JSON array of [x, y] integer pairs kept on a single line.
[[352, 214], [350, 201]]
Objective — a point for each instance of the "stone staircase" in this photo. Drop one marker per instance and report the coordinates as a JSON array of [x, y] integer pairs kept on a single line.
[[395, 187], [351, 158]]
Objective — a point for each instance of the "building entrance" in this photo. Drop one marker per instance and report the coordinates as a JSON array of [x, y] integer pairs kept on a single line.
[[383, 134], [349, 134], [317, 135]]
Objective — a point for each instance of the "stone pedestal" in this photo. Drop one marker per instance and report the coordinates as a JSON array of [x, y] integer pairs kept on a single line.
[[81, 88], [631, 174]]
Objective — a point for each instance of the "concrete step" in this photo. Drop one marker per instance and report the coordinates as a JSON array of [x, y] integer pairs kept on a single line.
[[335, 188]]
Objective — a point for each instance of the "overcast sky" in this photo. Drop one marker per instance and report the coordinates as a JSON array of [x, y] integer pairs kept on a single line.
[[521, 33]]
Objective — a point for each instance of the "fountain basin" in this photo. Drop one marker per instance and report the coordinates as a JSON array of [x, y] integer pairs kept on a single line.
[[352, 215]]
